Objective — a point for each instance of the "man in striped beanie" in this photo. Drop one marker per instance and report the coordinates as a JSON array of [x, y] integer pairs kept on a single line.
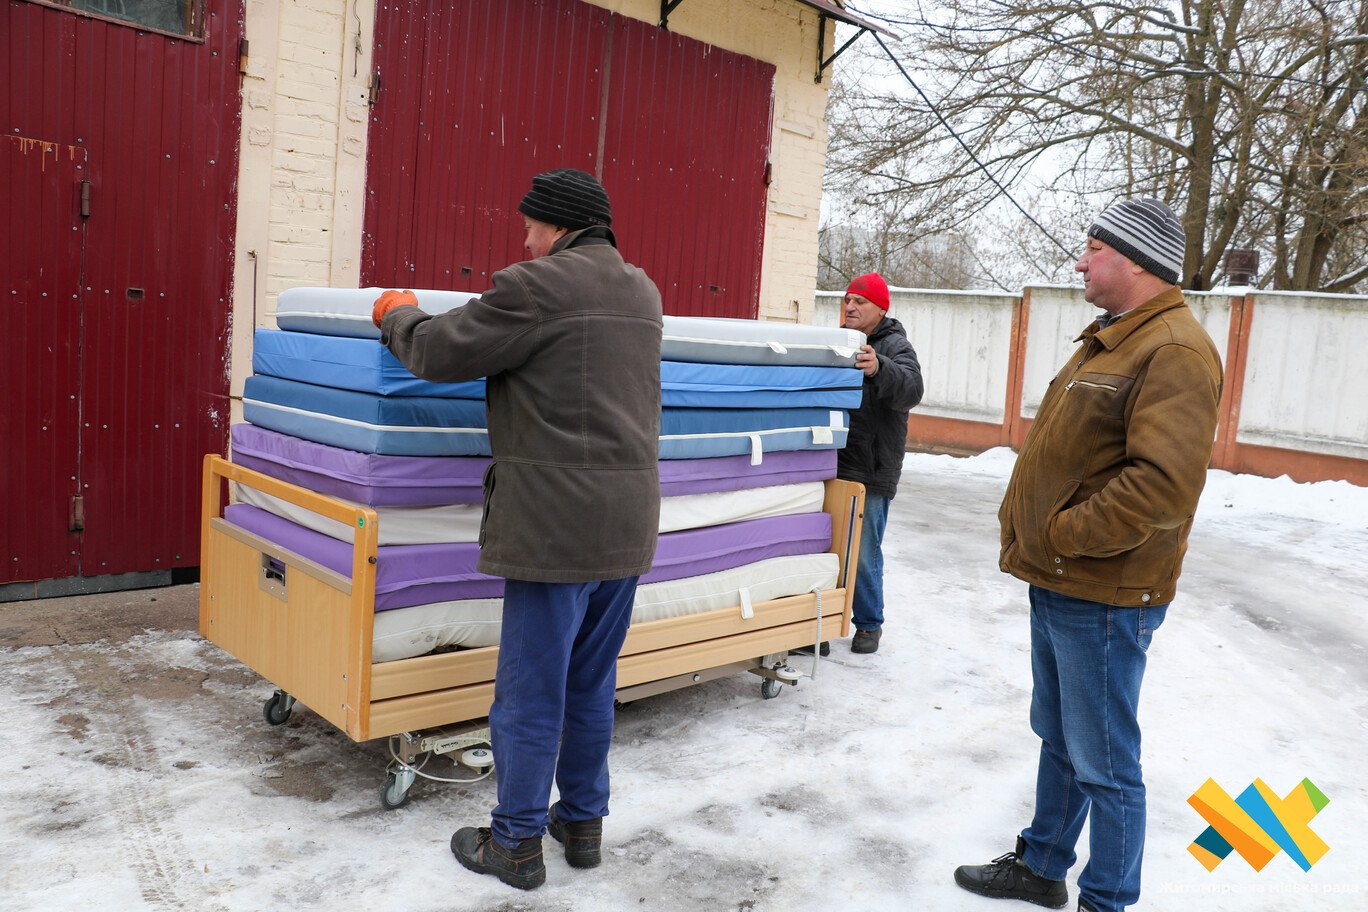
[[1096, 520]]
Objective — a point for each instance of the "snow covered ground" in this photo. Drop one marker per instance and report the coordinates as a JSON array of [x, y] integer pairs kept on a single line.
[[139, 775]]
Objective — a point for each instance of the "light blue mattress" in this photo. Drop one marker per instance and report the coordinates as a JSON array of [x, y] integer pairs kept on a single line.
[[365, 422], [366, 366], [428, 426]]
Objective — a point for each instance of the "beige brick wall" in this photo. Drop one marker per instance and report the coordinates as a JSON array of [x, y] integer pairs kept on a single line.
[[301, 178]]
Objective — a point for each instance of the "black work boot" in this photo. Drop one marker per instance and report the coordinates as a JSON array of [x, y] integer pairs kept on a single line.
[[866, 641], [807, 650], [521, 866], [583, 839], [1083, 905], [1007, 877]]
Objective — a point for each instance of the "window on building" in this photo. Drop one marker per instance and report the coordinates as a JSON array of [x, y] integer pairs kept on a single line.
[[175, 17]]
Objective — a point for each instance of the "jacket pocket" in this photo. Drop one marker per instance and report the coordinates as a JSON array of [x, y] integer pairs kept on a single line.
[[487, 484], [1032, 540]]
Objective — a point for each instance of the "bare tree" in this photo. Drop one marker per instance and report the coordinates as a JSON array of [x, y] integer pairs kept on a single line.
[[1247, 116]]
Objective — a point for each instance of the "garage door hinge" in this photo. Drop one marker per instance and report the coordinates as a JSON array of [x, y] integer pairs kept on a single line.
[[374, 94], [85, 199], [77, 513]]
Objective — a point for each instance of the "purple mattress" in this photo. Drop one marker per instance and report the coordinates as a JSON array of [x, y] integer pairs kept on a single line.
[[364, 478], [376, 480], [407, 575]]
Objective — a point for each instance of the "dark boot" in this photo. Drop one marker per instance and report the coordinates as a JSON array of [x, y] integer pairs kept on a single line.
[[866, 641], [1083, 905], [807, 650], [583, 839], [1007, 877], [521, 866]]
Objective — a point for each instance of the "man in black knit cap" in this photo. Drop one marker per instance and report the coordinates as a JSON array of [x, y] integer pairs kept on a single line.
[[570, 343]]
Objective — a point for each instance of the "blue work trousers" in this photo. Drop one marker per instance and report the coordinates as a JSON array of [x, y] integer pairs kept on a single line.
[[867, 612], [553, 700], [1087, 662]]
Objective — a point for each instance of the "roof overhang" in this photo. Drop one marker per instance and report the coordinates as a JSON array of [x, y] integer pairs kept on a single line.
[[829, 9], [826, 9]]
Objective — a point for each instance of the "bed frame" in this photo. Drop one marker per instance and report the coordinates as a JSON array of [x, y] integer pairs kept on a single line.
[[308, 629]]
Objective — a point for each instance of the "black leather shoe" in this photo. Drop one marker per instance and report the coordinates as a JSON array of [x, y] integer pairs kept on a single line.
[[1007, 877], [583, 839], [866, 641], [807, 650], [1083, 905], [521, 866]]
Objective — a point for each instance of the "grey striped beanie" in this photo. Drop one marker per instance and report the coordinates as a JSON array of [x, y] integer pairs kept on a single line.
[[1146, 232], [569, 198]]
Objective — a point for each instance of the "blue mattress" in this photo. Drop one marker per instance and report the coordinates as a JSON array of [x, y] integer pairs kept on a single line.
[[428, 426], [365, 422], [694, 433], [365, 366]]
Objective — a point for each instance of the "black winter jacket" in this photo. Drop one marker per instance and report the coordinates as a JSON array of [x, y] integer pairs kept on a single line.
[[873, 453]]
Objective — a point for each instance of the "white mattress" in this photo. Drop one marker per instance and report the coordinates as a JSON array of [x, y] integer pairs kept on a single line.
[[402, 633], [461, 522], [721, 340], [347, 311], [710, 340]]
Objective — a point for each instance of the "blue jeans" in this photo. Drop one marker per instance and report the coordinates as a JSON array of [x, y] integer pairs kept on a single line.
[[553, 700], [1087, 662], [868, 610]]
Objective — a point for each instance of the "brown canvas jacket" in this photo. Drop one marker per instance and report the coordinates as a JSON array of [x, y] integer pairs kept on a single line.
[[570, 343], [1104, 490]]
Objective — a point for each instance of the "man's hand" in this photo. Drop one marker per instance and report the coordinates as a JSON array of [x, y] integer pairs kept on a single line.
[[865, 359], [390, 300]]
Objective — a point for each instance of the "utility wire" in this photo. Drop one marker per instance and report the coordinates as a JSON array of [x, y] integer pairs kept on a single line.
[[1069, 254]]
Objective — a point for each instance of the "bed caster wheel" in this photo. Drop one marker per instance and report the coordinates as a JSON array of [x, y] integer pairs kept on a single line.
[[394, 793], [769, 688], [480, 759], [278, 708]]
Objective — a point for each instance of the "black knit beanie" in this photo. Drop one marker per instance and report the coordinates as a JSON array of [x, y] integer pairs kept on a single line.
[[569, 198]]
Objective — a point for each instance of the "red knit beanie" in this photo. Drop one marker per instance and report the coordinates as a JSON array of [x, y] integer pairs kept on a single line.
[[872, 286]]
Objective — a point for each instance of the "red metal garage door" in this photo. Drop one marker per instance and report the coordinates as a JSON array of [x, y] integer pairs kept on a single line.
[[477, 96], [143, 347]]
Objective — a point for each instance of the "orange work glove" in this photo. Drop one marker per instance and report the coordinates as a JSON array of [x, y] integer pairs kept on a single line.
[[390, 300]]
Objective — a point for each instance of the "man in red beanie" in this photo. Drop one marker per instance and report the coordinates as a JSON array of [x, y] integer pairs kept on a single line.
[[873, 453]]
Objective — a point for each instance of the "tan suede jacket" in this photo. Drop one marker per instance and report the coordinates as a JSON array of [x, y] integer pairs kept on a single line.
[[1106, 484]]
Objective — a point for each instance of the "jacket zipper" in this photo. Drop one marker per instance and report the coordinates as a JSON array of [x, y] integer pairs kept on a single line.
[[1101, 386]]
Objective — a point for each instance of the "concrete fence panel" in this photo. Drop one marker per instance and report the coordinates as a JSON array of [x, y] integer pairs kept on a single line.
[[1303, 376]]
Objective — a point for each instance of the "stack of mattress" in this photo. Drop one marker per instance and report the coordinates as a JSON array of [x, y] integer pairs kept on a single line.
[[752, 416]]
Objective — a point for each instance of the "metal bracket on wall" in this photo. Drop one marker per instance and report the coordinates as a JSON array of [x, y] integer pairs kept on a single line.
[[823, 63], [667, 7]]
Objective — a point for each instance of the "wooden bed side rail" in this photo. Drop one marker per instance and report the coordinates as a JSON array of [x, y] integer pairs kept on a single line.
[[361, 614], [845, 502], [445, 670], [409, 711]]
